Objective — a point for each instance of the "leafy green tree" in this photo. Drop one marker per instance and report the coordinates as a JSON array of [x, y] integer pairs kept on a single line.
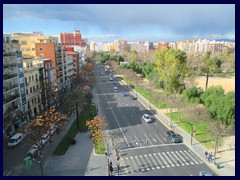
[[172, 68], [133, 56], [210, 65], [192, 94], [211, 94], [225, 111]]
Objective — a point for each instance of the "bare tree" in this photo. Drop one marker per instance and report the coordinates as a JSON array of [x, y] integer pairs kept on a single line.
[[196, 114]]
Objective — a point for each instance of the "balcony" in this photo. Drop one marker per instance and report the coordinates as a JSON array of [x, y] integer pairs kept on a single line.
[[9, 65], [10, 98], [7, 54], [9, 76], [8, 88]]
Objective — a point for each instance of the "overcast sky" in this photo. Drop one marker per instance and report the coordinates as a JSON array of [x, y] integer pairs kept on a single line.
[[103, 22]]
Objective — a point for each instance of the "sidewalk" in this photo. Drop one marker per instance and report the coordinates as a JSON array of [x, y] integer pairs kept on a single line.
[[225, 168]]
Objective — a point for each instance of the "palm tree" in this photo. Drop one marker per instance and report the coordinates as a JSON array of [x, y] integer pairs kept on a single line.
[[210, 65]]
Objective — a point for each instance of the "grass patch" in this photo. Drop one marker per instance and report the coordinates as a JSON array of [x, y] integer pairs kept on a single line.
[[202, 135], [64, 144], [145, 94], [88, 113], [99, 147]]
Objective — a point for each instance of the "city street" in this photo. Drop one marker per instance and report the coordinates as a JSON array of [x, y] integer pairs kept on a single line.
[[143, 147]]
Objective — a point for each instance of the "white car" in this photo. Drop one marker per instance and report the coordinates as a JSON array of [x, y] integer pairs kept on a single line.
[[33, 151], [45, 138], [147, 118], [110, 79], [15, 140], [115, 89], [53, 129]]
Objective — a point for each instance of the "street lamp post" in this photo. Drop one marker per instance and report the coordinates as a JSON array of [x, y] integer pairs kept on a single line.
[[40, 156], [107, 154]]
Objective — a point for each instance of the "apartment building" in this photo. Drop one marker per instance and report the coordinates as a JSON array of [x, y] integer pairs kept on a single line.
[[57, 53], [27, 41], [73, 66], [32, 66], [47, 83], [14, 93], [74, 38], [120, 45]]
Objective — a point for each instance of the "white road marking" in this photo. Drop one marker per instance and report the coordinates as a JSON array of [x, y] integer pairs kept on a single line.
[[159, 145], [170, 162], [184, 156], [154, 161], [115, 117], [158, 160], [187, 153], [164, 161], [182, 159], [195, 156], [158, 138], [173, 159], [137, 140], [148, 139], [153, 138]]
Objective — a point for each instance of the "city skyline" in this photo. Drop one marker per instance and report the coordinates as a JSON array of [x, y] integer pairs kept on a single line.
[[105, 23]]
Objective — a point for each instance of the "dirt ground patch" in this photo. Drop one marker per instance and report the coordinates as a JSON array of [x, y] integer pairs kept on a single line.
[[228, 84]]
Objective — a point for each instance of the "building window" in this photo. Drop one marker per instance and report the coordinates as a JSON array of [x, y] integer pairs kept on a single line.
[[30, 89], [41, 41], [33, 49], [29, 78], [41, 48], [27, 91], [27, 49], [23, 42], [41, 55], [26, 81], [32, 41], [22, 49]]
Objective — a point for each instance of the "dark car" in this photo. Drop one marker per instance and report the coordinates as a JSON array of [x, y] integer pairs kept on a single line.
[[133, 97], [174, 138]]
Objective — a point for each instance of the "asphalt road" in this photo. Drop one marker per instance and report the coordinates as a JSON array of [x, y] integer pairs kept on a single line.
[[144, 148]]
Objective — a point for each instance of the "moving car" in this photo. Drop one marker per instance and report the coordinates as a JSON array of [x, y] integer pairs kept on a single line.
[[124, 94], [174, 138], [205, 173], [33, 151], [115, 89], [15, 140], [147, 118], [133, 97]]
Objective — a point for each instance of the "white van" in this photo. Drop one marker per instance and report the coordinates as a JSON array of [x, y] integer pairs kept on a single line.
[[115, 89], [15, 140]]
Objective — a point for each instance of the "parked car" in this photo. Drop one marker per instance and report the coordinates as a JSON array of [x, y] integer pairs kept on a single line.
[[45, 138], [147, 118], [205, 173], [103, 80], [133, 97], [53, 129], [115, 89], [114, 82], [101, 73], [33, 151], [15, 140], [174, 138], [110, 79]]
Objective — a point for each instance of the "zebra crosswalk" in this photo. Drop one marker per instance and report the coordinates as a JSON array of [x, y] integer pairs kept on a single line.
[[156, 161]]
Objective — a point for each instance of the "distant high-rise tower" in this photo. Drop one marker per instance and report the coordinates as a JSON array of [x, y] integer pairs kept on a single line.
[[74, 38]]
